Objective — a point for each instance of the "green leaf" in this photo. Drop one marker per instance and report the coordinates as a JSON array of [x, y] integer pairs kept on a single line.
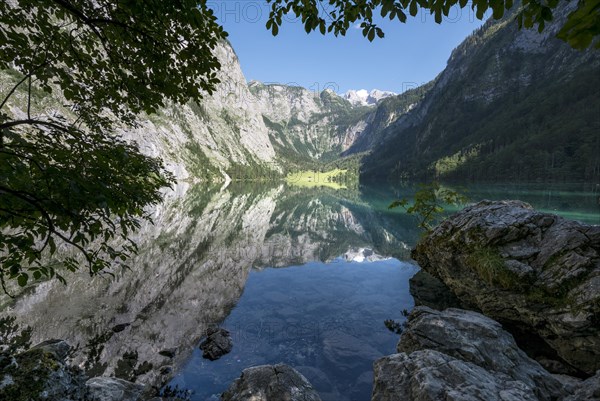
[[413, 8], [371, 35], [22, 279]]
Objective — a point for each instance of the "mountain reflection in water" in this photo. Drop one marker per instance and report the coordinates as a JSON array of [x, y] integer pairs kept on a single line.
[[210, 243]]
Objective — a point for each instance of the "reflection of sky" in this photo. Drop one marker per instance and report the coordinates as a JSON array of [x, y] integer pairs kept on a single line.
[[326, 320]]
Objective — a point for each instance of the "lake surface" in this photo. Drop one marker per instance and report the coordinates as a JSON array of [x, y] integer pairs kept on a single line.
[[304, 276], [324, 319]]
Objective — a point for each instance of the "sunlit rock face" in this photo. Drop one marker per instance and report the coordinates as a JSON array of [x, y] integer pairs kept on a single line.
[[215, 137], [190, 272], [489, 83], [310, 124]]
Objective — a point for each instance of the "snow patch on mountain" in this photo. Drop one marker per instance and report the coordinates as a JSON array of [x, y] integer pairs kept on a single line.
[[363, 97]]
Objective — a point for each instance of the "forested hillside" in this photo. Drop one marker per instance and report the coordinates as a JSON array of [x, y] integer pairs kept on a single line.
[[510, 105]]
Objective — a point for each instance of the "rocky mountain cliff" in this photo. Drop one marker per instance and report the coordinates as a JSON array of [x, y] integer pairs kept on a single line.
[[305, 126], [511, 105], [240, 131]]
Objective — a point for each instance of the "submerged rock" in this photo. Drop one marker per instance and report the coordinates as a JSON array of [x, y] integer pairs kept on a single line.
[[58, 348], [217, 343], [533, 270], [271, 383]]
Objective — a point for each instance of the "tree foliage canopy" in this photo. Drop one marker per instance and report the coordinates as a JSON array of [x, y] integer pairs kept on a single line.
[[428, 203], [337, 16], [66, 179]]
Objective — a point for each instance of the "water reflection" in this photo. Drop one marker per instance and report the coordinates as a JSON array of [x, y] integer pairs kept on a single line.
[[324, 319], [192, 269], [208, 247]]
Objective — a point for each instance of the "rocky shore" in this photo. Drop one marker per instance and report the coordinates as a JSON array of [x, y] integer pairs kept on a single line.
[[41, 373], [509, 311], [535, 272]]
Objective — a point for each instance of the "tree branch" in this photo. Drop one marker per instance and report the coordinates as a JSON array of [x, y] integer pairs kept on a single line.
[[29, 99], [51, 228], [10, 93], [32, 121]]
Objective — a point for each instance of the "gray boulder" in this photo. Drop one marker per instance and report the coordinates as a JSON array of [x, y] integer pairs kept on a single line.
[[217, 343], [430, 375], [588, 390], [524, 268], [112, 389], [58, 348], [271, 383], [471, 337]]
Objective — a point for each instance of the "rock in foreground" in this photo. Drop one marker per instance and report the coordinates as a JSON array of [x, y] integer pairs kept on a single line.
[[532, 270], [473, 339], [111, 389], [431, 375], [41, 373], [271, 383]]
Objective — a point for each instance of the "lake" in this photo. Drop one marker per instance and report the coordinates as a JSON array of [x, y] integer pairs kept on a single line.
[[304, 276]]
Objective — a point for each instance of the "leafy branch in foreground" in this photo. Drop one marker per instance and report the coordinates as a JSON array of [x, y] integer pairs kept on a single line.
[[429, 202], [338, 16], [71, 189], [64, 186]]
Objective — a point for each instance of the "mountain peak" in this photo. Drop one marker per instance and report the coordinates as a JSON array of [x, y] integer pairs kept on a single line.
[[362, 97]]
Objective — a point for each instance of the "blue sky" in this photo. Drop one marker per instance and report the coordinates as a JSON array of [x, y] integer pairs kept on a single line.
[[409, 55]]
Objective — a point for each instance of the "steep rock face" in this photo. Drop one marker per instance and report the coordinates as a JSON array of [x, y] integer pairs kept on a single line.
[[511, 104], [530, 269], [216, 137], [460, 355], [213, 139], [304, 124], [370, 131]]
